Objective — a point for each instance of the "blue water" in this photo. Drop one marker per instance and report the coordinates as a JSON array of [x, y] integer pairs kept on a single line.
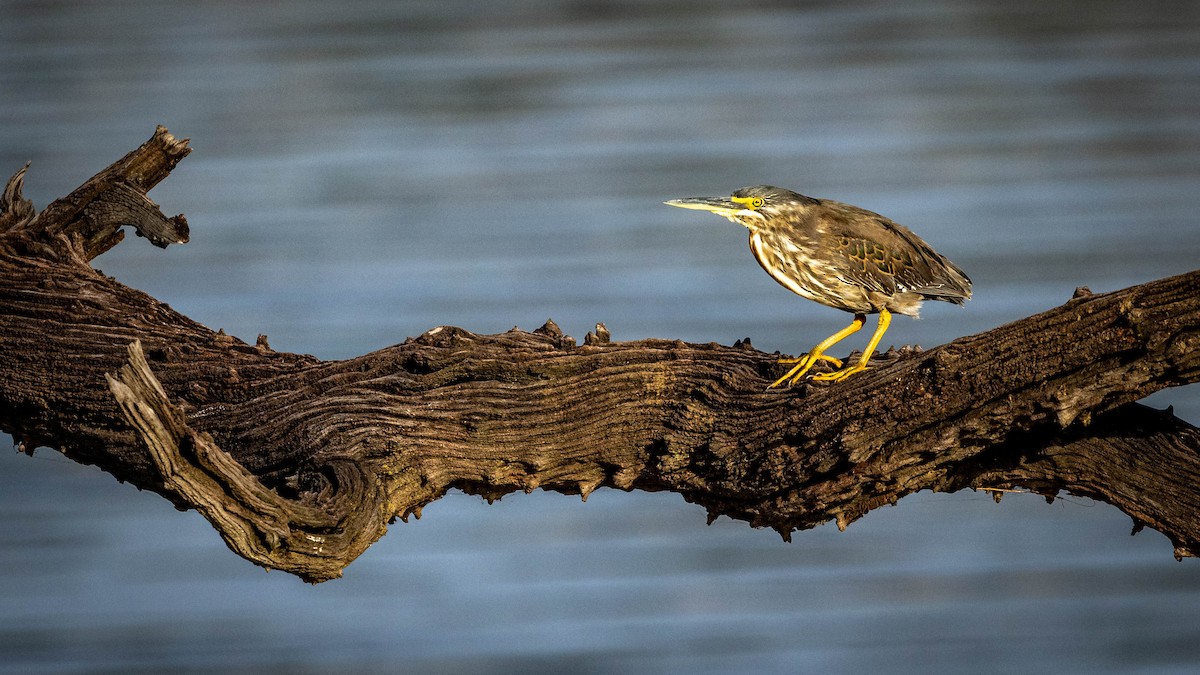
[[363, 172]]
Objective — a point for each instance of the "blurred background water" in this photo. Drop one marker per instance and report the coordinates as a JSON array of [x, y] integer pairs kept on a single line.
[[365, 171]]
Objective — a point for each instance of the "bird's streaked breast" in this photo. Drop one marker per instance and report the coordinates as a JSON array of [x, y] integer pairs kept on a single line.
[[802, 274]]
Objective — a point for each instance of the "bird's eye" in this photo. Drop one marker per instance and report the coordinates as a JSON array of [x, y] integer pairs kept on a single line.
[[756, 202]]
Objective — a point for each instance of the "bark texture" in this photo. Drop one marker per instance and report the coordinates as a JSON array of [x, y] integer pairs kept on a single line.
[[300, 464]]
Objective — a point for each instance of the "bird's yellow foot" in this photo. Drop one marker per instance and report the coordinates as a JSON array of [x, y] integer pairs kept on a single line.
[[803, 365], [839, 375]]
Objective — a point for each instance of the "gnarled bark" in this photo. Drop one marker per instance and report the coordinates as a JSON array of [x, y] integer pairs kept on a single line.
[[300, 464]]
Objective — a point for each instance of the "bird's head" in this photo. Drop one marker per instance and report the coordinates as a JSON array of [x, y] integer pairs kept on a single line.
[[753, 207]]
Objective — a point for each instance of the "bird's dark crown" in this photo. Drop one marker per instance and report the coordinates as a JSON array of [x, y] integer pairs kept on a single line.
[[773, 195]]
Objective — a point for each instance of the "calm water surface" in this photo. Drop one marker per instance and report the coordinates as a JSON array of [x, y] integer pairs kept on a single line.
[[364, 172]]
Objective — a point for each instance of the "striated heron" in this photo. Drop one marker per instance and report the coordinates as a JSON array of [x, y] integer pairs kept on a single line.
[[841, 256]]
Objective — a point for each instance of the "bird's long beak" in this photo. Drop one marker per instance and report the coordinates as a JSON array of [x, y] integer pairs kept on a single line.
[[722, 206]]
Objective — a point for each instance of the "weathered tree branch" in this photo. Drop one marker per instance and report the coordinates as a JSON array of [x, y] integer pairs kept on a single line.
[[256, 522], [301, 463]]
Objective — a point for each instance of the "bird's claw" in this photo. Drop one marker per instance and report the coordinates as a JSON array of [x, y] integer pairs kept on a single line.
[[803, 365], [837, 363], [839, 375]]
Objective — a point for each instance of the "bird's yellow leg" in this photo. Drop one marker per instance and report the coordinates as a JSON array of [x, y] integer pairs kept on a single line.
[[804, 363], [885, 318]]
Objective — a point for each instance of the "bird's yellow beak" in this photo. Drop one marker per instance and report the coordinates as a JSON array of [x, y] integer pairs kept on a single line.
[[738, 210], [722, 206]]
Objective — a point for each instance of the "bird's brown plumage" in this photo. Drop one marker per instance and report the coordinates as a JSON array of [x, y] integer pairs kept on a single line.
[[841, 256], [847, 257]]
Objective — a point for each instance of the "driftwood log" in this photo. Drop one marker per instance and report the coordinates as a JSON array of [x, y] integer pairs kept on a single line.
[[300, 464]]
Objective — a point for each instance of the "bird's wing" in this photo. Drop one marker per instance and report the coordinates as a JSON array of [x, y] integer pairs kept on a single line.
[[886, 257], [932, 274]]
